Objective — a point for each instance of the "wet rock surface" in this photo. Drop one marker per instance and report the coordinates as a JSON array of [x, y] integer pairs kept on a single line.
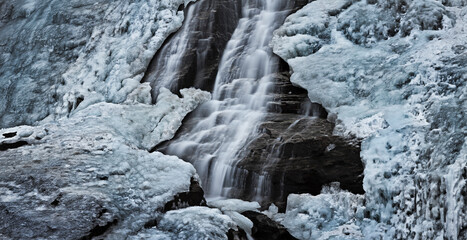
[[296, 151], [194, 197], [236, 235], [266, 229]]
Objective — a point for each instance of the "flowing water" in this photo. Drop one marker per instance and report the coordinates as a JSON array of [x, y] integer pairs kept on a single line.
[[189, 58], [223, 126]]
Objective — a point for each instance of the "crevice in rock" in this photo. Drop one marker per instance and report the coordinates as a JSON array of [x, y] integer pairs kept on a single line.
[[99, 230], [6, 146], [151, 223], [9, 135], [56, 201], [194, 197], [239, 234]]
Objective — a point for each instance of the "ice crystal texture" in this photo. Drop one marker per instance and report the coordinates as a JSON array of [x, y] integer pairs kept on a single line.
[[395, 74]]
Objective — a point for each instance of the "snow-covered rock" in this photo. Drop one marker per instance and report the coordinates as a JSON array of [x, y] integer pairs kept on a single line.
[[330, 215], [83, 175], [191, 223], [233, 208], [395, 74], [56, 55]]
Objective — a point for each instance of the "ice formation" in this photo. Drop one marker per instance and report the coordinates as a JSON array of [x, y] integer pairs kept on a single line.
[[76, 52], [103, 156], [333, 213], [233, 208], [191, 223], [394, 72]]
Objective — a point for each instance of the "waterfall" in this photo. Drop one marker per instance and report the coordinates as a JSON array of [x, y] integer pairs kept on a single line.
[[221, 128], [238, 68]]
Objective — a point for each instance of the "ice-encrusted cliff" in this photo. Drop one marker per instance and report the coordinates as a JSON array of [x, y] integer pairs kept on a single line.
[[58, 56], [394, 73]]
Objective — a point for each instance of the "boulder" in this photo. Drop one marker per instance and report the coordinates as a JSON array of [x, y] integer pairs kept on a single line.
[[266, 229]]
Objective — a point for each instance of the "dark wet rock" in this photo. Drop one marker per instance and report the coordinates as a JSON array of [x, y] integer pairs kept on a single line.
[[300, 4], [265, 228], [287, 98], [300, 156], [194, 197], [296, 151], [239, 234], [209, 31]]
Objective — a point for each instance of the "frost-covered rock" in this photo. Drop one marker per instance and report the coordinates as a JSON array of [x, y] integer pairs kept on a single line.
[[331, 215], [401, 86], [89, 174], [55, 55], [145, 125]]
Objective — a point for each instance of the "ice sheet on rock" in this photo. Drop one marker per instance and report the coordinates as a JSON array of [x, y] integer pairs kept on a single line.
[[55, 55], [400, 85], [308, 30], [145, 125], [86, 177], [139, 124], [195, 223], [236, 205]]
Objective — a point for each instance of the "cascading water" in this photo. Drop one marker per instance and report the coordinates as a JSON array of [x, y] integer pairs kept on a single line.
[[190, 57], [223, 126], [170, 56]]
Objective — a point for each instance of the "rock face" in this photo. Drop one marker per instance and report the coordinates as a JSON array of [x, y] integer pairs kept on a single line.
[[296, 151], [194, 197], [197, 47], [236, 235]]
